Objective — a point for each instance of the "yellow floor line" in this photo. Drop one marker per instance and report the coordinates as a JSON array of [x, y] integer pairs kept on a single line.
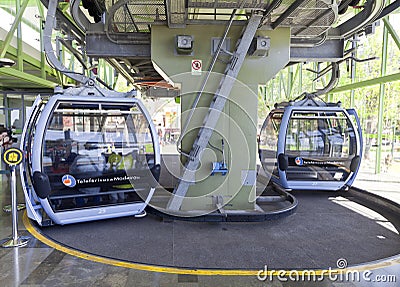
[[175, 270]]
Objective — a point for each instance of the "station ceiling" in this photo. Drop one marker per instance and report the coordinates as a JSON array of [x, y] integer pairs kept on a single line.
[[318, 24]]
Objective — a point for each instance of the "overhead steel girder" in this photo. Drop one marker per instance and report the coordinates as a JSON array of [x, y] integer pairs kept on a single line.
[[287, 13], [27, 77], [176, 13], [371, 11], [137, 46], [329, 51]]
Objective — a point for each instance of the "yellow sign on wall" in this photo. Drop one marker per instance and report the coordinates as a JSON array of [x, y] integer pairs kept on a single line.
[[12, 156]]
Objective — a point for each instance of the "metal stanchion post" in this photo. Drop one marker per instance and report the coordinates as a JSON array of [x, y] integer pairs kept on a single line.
[[13, 157]]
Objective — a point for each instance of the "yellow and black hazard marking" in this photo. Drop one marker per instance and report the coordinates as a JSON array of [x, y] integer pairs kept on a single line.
[[263, 273]]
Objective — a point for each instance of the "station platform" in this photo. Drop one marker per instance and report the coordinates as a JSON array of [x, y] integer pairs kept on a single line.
[[356, 226], [134, 252]]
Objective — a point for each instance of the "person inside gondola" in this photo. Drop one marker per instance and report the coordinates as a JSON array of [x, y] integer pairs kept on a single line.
[[122, 162], [5, 139], [69, 154], [63, 156], [90, 165]]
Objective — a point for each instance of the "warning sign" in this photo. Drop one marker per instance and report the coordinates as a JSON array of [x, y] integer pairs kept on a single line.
[[196, 67]]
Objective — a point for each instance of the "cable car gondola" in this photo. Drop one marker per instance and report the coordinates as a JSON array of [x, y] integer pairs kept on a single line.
[[311, 145], [88, 157]]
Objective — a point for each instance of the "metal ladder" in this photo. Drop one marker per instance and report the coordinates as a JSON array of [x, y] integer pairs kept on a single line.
[[216, 107]]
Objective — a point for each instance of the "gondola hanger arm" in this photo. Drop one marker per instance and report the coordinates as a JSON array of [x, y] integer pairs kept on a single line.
[[48, 47], [89, 84], [332, 82]]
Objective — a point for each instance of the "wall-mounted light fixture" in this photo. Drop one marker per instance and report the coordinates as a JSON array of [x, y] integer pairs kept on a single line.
[[184, 44], [6, 63], [260, 46]]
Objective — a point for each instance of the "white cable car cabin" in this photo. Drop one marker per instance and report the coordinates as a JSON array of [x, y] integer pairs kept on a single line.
[[311, 145], [88, 157]]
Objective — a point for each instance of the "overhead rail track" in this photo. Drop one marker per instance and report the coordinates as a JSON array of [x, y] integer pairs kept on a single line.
[[124, 23]]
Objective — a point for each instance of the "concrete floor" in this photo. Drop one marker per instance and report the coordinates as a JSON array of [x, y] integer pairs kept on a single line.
[[41, 265]]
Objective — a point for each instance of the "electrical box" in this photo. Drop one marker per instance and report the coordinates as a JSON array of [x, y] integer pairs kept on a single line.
[[260, 47]]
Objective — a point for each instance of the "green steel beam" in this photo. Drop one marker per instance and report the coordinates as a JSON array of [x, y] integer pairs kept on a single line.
[[27, 77], [300, 66], [392, 31], [26, 22], [64, 6], [14, 26], [381, 101], [368, 83], [314, 83], [271, 94], [20, 9], [30, 60]]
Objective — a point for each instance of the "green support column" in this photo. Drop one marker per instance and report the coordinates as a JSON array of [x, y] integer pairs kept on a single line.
[[289, 82], [238, 122], [280, 85], [104, 71], [353, 68], [42, 53], [322, 79], [111, 75], [272, 96], [314, 83], [300, 67], [392, 31], [381, 101]]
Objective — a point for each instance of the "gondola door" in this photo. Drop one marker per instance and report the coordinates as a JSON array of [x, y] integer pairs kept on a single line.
[[33, 206], [356, 162]]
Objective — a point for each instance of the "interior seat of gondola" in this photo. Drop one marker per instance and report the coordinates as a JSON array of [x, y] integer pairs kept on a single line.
[[316, 141]]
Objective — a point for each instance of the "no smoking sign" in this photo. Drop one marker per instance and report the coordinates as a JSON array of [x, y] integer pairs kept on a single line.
[[196, 67]]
